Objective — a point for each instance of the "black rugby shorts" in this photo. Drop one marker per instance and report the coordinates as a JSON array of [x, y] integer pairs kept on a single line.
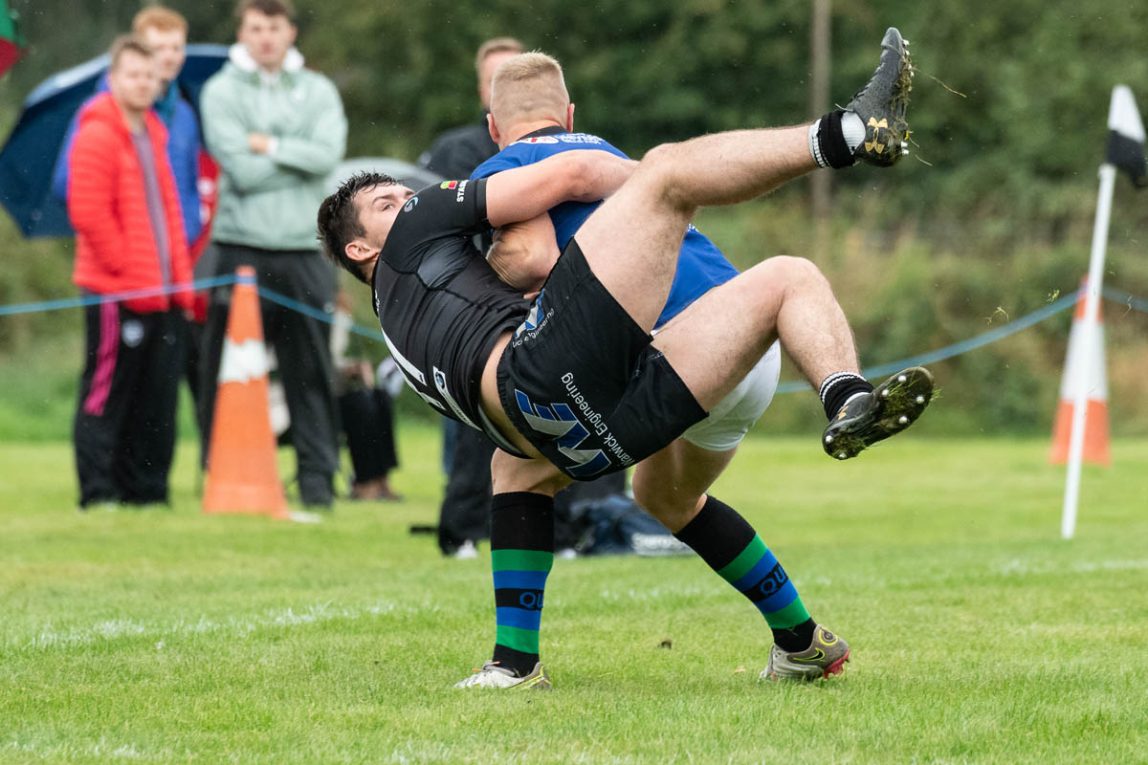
[[581, 382]]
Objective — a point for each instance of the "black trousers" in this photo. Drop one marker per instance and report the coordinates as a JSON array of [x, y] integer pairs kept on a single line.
[[191, 363], [302, 347], [369, 423], [465, 510], [124, 429]]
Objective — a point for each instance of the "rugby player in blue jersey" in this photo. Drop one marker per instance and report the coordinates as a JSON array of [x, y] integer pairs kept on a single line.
[[531, 119], [572, 385]]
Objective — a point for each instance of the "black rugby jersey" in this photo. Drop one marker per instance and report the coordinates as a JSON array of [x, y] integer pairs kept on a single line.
[[440, 304]]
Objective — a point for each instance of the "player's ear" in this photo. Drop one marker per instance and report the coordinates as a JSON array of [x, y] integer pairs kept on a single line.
[[492, 128], [570, 117], [359, 251]]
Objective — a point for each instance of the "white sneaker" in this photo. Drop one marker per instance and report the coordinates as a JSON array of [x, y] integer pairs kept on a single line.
[[466, 551], [493, 676]]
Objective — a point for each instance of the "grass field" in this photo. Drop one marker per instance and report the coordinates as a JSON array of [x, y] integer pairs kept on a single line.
[[979, 635]]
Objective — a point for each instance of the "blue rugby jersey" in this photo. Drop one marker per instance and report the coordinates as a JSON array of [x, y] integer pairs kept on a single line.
[[701, 265]]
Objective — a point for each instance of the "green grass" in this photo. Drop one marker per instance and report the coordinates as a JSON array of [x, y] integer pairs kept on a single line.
[[978, 634]]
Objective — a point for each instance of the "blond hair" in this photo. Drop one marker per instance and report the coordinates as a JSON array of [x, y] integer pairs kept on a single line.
[[529, 87], [158, 17]]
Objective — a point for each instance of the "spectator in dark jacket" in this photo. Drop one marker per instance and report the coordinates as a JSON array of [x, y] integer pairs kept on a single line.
[[123, 203], [456, 153]]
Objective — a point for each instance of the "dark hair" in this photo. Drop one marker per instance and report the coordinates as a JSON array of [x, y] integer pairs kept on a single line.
[[267, 8], [339, 219]]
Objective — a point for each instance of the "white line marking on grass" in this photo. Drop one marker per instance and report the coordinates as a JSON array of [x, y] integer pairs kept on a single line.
[[1018, 567], [411, 752], [102, 749], [653, 593], [119, 629]]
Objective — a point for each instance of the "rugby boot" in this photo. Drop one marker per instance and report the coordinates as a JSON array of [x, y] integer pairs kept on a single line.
[[868, 418], [882, 103], [493, 676], [825, 656]]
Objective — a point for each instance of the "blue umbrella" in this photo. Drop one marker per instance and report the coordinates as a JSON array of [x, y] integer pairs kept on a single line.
[[29, 156]]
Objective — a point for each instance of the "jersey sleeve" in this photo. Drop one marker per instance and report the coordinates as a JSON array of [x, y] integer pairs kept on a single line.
[[460, 206], [496, 164], [447, 209]]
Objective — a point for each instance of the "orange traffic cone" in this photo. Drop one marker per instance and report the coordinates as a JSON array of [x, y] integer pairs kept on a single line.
[[242, 476], [1091, 355]]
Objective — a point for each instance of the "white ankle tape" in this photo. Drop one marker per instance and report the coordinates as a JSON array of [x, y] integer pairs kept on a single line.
[[815, 146]]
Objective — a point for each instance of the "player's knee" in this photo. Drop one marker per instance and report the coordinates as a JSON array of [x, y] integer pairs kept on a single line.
[[793, 271], [646, 491], [510, 474], [660, 500], [660, 169]]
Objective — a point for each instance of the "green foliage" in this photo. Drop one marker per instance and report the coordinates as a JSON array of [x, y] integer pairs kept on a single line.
[[173, 636], [1009, 115]]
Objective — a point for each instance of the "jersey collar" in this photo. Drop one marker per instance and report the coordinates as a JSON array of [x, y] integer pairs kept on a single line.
[[552, 130]]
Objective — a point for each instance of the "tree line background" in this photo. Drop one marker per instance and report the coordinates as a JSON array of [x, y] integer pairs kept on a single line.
[[988, 220]]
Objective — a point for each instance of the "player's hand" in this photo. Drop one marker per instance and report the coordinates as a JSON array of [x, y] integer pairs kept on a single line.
[[523, 253]]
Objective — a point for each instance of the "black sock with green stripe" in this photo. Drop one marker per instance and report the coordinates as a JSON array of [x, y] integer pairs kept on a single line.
[[521, 553], [732, 548]]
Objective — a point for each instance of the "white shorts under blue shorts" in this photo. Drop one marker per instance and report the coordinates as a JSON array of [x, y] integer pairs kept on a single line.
[[734, 415]]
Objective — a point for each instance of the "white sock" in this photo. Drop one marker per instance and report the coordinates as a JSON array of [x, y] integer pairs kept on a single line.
[[853, 129]]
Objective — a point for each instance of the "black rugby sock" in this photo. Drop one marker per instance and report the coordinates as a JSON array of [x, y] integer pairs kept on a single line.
[[726, 541], [838, 388], [521, 555], [834, 138]]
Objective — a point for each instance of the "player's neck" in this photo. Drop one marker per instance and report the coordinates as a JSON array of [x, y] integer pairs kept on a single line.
[[516, 132]]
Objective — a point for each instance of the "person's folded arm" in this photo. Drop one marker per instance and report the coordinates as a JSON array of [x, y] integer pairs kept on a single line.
[[321, 151], [226, 134]]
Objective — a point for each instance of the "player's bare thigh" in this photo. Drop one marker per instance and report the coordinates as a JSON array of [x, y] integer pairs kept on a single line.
[[714, 343], [631, 242]]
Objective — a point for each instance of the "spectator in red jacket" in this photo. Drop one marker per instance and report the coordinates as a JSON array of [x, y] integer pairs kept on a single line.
[[122, 201]]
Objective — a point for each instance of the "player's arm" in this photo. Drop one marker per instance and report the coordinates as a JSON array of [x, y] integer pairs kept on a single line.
[[523, 193], [523, 253]]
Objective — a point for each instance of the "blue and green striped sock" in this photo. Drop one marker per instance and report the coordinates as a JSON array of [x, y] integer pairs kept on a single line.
[[521, 554], [733, 549]]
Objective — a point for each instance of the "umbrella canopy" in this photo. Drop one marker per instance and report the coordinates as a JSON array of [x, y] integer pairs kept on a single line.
[[404, 172], [10, 39], [29, 156]]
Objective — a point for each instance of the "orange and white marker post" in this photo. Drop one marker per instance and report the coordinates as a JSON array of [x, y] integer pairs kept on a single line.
[[1084, 366], [1126, 150], [242, 475]]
